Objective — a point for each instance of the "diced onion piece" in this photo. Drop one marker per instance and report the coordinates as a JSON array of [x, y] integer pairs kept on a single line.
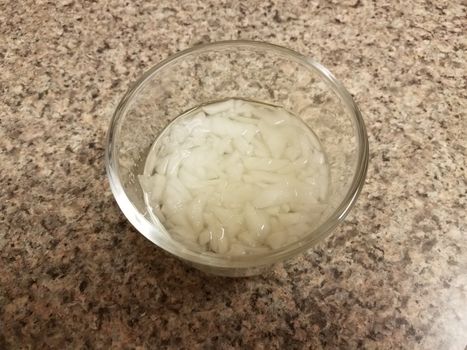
[[276, 239], [242, 145], [185, 233], [274, 139], [160, 215], [174, 163], [293, 152], [273, 210], [267, 177], [204, 237], [227, 127], [161, 166], [230, 220], [267, 164], [220, 245], [195, 213], [273, 195], [215, 108], [260, 149], [290, 219], [256, 222], [237, 249], [247, 239]]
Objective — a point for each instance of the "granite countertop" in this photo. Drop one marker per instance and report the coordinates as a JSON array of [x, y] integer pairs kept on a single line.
[[75, 274]]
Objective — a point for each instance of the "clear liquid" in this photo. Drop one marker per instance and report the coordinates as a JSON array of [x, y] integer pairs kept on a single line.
[[236, 177]]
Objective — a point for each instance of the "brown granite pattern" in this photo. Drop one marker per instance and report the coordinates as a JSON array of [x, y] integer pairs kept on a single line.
[[75, 274]]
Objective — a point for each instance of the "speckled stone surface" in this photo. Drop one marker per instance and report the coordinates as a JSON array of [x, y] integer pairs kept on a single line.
[[75, 274]]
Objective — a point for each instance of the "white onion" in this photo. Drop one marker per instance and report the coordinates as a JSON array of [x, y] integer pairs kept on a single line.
[[273, 195], [267, 164], [195, 212], [236, 177]]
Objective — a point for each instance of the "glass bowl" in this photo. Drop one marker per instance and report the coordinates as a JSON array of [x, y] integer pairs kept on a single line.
[[236, 69]]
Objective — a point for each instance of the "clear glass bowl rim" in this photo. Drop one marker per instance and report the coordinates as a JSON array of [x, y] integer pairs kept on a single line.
[[147, 229]]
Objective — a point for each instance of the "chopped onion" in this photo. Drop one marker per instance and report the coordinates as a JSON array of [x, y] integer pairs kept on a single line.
[[236, 177]]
